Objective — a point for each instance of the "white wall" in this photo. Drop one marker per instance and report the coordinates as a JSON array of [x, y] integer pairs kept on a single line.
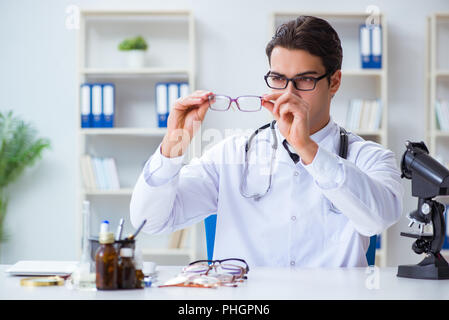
[[38, 81]]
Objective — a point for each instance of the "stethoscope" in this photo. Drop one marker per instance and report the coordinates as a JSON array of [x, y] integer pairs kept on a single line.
[[343, 152], [274, 146]]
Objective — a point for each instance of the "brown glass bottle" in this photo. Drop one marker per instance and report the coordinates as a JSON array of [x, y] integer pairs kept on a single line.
[[106, 263], [140, 277], [126, 269]]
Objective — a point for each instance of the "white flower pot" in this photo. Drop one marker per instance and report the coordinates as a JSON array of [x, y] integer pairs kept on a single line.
[[135, 58]]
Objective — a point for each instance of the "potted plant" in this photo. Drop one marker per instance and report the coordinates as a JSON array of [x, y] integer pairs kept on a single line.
[[135, 49], [19, 148]]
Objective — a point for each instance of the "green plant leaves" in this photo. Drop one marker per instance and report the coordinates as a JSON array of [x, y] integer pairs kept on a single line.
[[136, 43], [19, 147]]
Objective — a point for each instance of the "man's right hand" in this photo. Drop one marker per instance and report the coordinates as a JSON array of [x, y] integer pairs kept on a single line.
[[183, 121]]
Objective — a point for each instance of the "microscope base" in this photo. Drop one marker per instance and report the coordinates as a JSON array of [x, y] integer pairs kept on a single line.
[[423, 272], [432, 267]]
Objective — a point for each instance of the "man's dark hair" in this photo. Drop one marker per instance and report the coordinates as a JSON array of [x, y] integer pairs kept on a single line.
[[313, 35]]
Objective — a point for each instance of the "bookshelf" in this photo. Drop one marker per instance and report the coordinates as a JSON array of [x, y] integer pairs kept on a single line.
[[135, 134], [437, 88], [356, 83]]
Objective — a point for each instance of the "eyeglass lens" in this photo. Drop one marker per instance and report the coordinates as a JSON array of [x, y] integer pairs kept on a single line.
[[245, 103], [230, 267], [301, 83]]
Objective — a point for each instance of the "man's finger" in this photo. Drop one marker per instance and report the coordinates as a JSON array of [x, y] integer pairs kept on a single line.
[[201, 93], [272, 96], [192, 100], [280, 101], [202, 109], [187, 102], [268, 105]]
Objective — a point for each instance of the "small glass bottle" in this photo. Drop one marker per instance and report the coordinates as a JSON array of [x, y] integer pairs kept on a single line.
[[140, 277], [106, 260], [83, 277], [126, 269]]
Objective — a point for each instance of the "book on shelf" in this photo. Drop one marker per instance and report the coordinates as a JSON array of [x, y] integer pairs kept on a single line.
[[99, 173], [364, 114], [370, 46], [86, 105], [166, 95], [442, 114], [97, 105]]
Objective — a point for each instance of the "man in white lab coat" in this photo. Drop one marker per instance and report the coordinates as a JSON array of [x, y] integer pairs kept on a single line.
[[320, 209]]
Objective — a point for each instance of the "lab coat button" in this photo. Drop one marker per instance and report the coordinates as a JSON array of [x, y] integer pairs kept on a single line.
[[292, 263], [293, 218], [296, 173]]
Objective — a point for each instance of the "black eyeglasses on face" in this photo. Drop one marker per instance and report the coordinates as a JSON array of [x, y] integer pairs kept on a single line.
[[302, 83]]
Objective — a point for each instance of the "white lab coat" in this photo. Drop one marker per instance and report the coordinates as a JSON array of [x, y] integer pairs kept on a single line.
[[316, 215]]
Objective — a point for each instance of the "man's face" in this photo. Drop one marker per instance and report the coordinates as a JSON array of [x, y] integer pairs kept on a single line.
[[290, 63]]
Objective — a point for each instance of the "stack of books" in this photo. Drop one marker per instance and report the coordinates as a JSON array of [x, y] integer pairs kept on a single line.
[[97, 105], [99, 173], [371, 46], [364, 115], [442, 114]]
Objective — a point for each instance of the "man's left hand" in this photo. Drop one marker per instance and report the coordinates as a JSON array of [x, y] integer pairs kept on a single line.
[[292, 116]]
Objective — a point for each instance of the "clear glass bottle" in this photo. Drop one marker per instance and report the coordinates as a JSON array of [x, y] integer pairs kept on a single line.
[[106, 260], [83, 277]]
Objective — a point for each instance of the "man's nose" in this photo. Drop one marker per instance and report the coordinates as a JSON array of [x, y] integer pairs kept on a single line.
[[291, 88]]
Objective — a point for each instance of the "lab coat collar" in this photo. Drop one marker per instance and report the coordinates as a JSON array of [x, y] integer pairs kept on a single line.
[[320, 137]]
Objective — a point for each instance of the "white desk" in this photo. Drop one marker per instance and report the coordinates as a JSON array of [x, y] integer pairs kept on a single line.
[[262, 283]]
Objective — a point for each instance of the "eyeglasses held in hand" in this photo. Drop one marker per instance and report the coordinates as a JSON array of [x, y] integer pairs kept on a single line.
[[211, 274], [302, 83], [249, 103]]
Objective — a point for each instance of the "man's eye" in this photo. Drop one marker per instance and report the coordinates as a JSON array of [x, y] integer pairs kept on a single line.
[[306, 79], [275, 78]]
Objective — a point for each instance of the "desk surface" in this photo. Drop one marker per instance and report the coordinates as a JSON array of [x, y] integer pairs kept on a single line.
[[262, 283]]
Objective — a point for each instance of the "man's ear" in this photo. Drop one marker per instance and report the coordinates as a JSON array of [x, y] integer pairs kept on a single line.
[[335, 82]]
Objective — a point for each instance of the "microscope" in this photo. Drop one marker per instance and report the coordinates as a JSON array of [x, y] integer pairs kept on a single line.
[[429, 179]]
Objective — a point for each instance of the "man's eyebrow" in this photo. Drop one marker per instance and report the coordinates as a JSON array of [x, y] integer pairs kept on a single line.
[[297, 75]]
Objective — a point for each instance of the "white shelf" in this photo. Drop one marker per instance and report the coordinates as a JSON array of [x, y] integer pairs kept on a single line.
[[131, 14], [119, 192], [326, 14], [155, 132], [436, 76], [442, 73], [439, 133], [130, 71], [364, 72], [98, 58]]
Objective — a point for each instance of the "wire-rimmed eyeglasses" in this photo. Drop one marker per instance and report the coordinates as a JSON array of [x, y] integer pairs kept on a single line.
[[234, 266], [220, 102], [211, 274], [302, 83]]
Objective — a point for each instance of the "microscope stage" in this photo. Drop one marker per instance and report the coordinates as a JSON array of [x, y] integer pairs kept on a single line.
[[417, 235]]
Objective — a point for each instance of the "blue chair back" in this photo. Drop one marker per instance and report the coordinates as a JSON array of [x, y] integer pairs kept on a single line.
[[211, 222]]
